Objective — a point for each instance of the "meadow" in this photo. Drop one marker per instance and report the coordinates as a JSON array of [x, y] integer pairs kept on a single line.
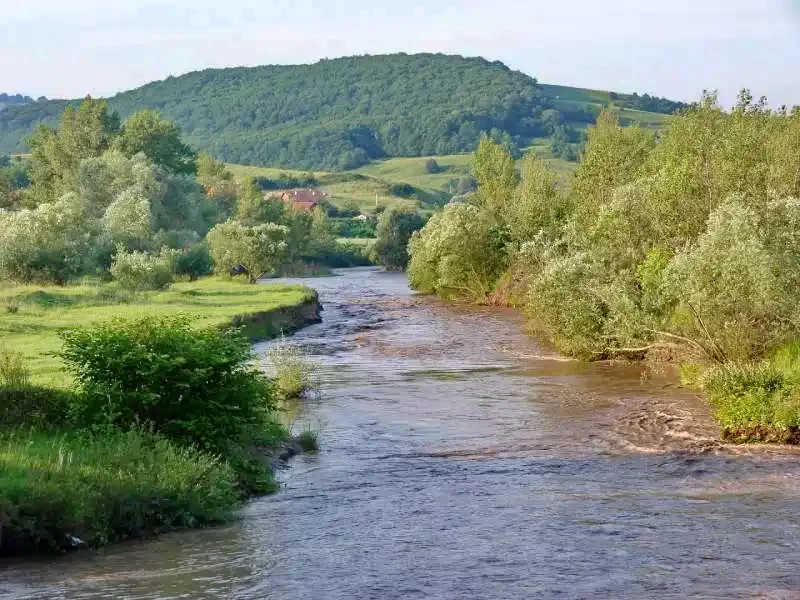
[[32, 316], [371, 185]]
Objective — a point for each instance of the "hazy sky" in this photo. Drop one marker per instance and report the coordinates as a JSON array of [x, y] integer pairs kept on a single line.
[[68, 48]]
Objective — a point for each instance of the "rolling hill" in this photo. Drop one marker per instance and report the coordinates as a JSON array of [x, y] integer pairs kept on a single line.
[[7, 100], [344, 113]]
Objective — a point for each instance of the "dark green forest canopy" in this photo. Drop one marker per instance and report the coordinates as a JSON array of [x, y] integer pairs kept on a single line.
[[341, 113]]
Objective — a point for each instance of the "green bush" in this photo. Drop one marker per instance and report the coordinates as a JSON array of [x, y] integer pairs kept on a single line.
[[33, 406], [458, 254], [402, 190], [395, 227], [57, 491], [194, 387], [431, 166], [13, 372], [354, 228], [194, 262], [756, 401], [139, 271], [24, 404], [259, 249], [48, 243]]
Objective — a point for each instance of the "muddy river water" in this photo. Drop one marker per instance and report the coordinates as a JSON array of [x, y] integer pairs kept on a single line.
[[461, 458]]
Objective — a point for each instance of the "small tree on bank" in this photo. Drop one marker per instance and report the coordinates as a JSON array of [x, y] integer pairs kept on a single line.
[[258, 249], [395, 227]]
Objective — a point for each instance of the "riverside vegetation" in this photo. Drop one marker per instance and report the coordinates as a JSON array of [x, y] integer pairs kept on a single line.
[[677, 246], [129, 402], [115, 427]]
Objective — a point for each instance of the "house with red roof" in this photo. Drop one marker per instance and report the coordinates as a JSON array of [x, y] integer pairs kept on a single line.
[[304, 199]]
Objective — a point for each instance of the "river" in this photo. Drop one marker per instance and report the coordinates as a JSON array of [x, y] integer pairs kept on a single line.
[[460, 458]]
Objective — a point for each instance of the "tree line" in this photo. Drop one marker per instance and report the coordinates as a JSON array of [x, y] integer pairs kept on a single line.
[[129, 200]]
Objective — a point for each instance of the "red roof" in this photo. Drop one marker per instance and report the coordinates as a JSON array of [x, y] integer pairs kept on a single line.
[[304, 199]]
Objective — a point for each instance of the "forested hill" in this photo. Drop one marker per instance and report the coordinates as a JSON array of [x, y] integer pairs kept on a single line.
[[13, 100], [341, 113]]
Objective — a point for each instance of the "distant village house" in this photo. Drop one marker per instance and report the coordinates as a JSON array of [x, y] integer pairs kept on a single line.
[[304, 199]]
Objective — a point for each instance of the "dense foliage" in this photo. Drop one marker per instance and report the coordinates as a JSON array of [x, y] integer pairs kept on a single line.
[[13, 100], [257, 249], [197, 388], [341, 113], [684, 244], [131, 201], [395, 227]]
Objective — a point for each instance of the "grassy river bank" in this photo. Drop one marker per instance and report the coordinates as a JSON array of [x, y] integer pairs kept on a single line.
[[124, 415]]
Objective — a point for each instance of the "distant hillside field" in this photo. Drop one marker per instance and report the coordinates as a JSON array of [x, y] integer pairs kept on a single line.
[[372, 185], [343, 113]]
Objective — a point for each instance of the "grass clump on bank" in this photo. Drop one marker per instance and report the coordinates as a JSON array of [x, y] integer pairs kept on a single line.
[[294, 372], [308, 440], [59, 491], [757, 401]]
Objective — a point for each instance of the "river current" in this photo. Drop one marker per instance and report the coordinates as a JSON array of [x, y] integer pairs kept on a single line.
[[461, 458]]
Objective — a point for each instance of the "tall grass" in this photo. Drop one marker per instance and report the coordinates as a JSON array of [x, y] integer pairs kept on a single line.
[[58, 489], [295, 374], [308, 440], [757, 401], [13, 372]]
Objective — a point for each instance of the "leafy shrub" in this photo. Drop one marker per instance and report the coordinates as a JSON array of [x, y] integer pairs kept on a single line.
[[402, 190], [195, 387], [33, 406], [561, 301], [194, 262], [294, 372], [258, 249], [431, 166], [128, 219], [728, 284], [48, 243], [57, 489], [394, 230], [355, 228], [458, 254], [138, 271]]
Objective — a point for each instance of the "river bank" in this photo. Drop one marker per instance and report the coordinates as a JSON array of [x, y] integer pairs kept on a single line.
[[73, 473]]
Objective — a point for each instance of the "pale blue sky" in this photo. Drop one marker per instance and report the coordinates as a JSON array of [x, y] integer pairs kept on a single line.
[[68, 48]]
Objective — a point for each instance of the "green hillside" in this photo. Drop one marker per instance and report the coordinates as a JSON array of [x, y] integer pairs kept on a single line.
[[373, 184], [343, 113], [7, 100]]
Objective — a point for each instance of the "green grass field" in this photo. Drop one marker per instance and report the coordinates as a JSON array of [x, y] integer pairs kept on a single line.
[[42, 311], [570, 98], [369, 186]]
